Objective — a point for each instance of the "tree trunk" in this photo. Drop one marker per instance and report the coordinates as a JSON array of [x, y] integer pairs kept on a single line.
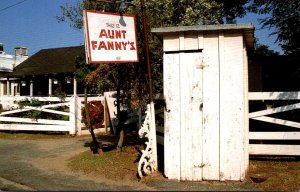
[[120, 124], [96, 148]]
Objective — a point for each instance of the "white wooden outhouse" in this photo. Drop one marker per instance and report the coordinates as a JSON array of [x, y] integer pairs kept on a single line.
[[205, 89]]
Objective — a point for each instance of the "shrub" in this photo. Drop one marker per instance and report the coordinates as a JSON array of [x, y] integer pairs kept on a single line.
[[96, 112]]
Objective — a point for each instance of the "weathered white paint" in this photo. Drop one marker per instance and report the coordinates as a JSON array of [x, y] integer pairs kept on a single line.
[[274, 135], [263, 149], [232, 107], [191, 116], [245, 163], [33, 127], [278, 121], [211, 107], [206, 122], [172, 137], [274, 95], [74, 86], [73, 125], [72, 116], [33, 121], [274, 110]]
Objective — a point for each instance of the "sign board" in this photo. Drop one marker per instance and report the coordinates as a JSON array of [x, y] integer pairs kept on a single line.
[[110, 37]]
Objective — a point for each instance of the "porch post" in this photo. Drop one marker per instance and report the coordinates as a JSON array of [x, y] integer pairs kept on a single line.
[[8, 87], [50, 87], [74, 86], [1, 88], [31, 87], [12, 89]]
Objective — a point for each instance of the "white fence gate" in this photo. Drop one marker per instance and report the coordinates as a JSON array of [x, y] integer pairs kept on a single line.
[[275, 149], [69, 119]]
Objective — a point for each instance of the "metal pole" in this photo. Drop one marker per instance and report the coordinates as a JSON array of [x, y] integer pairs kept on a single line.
[[152, 124]]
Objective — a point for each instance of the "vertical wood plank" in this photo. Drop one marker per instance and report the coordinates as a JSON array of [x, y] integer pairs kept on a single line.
[[78, 115], [72, 116], [191, 116], [172, 118], [200, 40], [245, 163], [211, 107], [232, 106], [171, 43]]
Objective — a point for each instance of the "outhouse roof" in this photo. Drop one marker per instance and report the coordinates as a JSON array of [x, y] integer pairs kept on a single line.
[[247, 29], [49, 61]]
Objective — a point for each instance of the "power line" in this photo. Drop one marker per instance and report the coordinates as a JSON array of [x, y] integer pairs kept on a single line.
[[1, 10]]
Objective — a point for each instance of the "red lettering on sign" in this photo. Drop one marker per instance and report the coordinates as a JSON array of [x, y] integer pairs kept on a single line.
[[132, 47], [124, 34], [118, 45], [102, 45], [112, 34], [110, 45], [118, 34], [94, 45], [103, 33], [124, 45]]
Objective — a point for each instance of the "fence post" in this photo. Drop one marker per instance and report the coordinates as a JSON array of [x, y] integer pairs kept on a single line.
[[72, 116], [78, 115]]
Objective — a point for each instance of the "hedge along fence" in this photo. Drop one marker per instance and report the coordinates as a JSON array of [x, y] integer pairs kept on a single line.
[[51, 114]]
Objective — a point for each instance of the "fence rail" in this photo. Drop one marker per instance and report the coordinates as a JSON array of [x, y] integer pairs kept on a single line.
[[262, 115], [70, 120]]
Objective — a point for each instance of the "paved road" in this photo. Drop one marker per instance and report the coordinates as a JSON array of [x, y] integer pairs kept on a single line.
[[22, 168]]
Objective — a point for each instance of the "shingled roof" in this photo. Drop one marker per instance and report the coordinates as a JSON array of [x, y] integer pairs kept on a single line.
[[49, 61]]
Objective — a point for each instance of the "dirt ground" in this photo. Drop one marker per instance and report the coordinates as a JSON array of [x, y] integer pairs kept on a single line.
[[282, 173], [46, 164]]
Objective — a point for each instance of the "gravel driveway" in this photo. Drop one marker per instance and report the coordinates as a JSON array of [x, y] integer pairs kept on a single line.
[[41, 165]]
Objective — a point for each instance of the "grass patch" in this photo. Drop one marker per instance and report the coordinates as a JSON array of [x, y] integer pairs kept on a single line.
[[283, 174], [111, 164], [17, 135]]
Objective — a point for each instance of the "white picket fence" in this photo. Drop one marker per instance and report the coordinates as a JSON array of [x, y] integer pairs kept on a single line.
[[278, 149], [72, 114]]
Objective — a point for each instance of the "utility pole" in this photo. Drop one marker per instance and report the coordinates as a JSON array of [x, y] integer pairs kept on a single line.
[[151, 97]]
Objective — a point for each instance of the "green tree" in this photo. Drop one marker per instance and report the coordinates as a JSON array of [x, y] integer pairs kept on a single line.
[[264, 50], [82, 70], [284, 15], [161, 13]]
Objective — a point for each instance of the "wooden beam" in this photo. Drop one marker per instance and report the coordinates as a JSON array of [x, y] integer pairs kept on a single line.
[[34, 121], [263, 149], [20, 127], [278, 121], [275, 110], [274, 135], [274, 95]]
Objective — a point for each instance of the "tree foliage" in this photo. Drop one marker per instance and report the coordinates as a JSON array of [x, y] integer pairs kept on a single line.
[[160, 13], [264, 50], [285, 17], [164, 13]]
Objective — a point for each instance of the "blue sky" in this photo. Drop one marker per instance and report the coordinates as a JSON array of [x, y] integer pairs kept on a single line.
[[32, 24]]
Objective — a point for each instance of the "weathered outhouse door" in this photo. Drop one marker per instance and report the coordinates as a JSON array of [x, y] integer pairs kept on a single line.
[[206, 94], [184, 87]]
